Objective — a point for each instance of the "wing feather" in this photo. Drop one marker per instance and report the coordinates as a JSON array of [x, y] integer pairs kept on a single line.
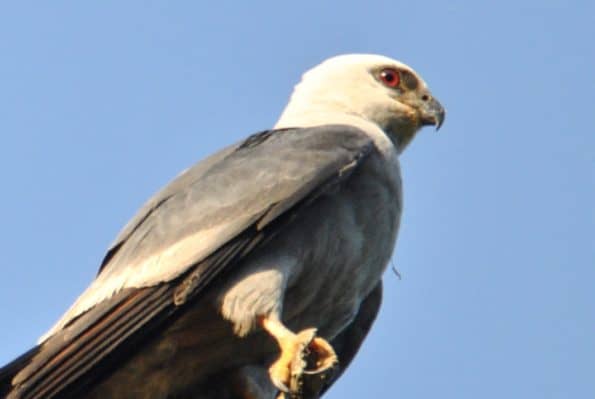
[[91, 343]]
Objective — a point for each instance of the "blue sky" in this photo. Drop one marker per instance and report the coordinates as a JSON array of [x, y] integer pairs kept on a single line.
[[100, 105]]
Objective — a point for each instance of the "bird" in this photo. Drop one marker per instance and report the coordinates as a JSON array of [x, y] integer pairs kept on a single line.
[[257, 272]]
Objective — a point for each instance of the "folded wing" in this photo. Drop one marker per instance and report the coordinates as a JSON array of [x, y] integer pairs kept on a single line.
[[198, 227]]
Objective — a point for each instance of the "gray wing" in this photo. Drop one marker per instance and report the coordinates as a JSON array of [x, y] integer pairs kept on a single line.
[[350, 340], [177, 186], [198, 227]]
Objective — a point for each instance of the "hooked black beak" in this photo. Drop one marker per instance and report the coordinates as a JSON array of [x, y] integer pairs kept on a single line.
[[432, 112]]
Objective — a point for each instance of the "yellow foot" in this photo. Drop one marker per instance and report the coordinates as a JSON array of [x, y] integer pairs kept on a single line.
[[302, 353]]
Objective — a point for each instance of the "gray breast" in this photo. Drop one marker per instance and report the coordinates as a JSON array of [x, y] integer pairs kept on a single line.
[[344, 244]]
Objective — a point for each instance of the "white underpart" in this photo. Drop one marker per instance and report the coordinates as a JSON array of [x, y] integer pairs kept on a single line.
[[341, 90]]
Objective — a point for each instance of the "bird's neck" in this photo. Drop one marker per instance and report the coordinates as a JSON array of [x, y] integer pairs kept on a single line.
[[384, 142]]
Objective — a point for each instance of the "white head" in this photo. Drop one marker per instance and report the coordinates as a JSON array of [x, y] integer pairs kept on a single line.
[[369, 88]]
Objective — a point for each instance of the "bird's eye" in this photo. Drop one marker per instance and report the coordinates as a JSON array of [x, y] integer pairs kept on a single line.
[[390, 77]]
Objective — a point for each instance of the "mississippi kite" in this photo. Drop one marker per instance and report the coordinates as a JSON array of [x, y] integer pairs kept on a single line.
[[255, 268]]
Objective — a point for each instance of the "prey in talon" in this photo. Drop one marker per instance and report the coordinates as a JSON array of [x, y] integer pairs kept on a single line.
[[286, 372]]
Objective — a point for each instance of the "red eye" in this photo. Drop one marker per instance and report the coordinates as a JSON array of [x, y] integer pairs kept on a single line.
[[390, 77]]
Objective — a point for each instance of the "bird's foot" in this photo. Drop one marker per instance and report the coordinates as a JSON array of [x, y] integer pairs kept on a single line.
[[302, 353]]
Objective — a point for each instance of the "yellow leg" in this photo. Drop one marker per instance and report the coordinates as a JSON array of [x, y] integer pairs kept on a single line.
[[287, 370]]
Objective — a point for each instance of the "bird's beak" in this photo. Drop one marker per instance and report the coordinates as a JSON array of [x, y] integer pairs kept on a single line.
[[432, 113]]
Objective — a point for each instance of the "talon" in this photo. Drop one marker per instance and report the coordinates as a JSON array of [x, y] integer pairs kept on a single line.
[[302, 353], [325, 355]]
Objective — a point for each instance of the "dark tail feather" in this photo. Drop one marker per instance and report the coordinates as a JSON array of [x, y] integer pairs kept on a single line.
[[11, 369]]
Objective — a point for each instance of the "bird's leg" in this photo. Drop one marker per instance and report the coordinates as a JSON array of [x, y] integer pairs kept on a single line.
[[301, 353]]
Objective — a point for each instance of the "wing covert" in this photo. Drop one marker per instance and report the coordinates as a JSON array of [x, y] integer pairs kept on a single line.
[[200, 225]]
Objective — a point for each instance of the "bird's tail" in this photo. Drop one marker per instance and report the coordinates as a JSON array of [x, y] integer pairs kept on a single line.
[[8, 371]]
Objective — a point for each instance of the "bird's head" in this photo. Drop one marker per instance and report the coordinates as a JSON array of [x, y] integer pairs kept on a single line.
[[373, 88]]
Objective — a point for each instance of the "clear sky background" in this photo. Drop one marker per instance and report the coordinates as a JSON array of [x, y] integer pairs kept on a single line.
[[102, 104]]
